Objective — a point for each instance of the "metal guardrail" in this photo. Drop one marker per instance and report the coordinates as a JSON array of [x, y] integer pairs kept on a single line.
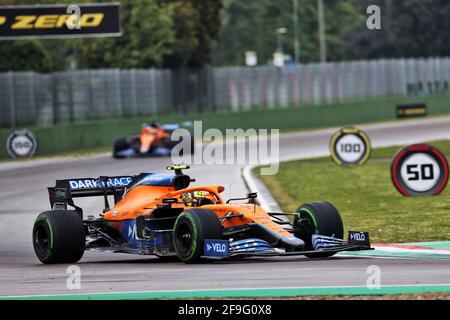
[[31, 98]]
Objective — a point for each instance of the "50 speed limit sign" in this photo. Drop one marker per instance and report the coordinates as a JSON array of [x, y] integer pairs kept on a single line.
[[419, 170], [350, 146]]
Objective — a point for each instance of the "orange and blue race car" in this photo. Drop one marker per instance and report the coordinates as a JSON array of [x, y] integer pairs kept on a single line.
[[153, 140], [161, 214]]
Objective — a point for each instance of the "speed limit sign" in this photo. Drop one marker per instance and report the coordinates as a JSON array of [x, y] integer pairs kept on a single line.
[[350, 146], [419, 170], [21, 144]]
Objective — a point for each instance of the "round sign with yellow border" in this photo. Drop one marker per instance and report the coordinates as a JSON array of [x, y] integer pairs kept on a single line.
[[350, 146]]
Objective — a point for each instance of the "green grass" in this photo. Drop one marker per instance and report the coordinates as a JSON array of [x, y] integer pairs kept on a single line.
[[365, 196], [388, 153], [75, 153]]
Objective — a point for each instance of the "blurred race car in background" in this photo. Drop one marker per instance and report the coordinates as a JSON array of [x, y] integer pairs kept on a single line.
[[153, 140]]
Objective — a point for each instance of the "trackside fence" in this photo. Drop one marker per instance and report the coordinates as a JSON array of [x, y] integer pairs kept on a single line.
[[28, 98]]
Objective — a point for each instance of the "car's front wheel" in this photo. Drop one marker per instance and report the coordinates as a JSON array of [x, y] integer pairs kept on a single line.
[[191, 228], [321, 218]]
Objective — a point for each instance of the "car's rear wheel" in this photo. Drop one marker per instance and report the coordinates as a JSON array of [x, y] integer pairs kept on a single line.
[[320, 218], [191, 228], [59, 237]]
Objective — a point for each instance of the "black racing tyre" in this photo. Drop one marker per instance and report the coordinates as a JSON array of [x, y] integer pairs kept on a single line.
[[324, 219], [59, 237], [120, 145], [191, 228]]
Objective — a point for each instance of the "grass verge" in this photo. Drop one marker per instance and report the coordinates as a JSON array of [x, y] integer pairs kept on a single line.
[[418, 296], [75, 153], [365, 196]]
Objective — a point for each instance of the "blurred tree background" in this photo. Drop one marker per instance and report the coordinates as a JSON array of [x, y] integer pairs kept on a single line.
[[410, 28], [196, 33], [251, 24], [156, 33]]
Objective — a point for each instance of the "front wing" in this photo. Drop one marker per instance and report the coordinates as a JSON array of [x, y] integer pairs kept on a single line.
[[357, 241]]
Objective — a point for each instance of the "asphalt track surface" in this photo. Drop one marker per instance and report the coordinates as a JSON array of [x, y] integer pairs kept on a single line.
[[23, 195]]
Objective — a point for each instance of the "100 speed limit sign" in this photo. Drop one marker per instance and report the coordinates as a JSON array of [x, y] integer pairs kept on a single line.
[[350, 146], [21, 144], [419, 170]]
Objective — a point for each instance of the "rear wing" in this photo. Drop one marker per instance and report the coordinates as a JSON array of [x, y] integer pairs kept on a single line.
[[64, 191]]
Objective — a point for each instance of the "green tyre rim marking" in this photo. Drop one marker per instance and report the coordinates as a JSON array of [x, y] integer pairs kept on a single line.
[[311, 215], [194, 236], [49, 229]]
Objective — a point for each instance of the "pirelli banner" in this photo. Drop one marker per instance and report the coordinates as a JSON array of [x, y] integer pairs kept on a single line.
[[59, 21], [412, 110]]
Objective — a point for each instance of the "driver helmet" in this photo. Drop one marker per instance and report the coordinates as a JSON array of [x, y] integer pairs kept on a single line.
[[192, 199]]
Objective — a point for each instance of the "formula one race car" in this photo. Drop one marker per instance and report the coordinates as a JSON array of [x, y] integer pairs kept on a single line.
[[153, 140], [159, 214]]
